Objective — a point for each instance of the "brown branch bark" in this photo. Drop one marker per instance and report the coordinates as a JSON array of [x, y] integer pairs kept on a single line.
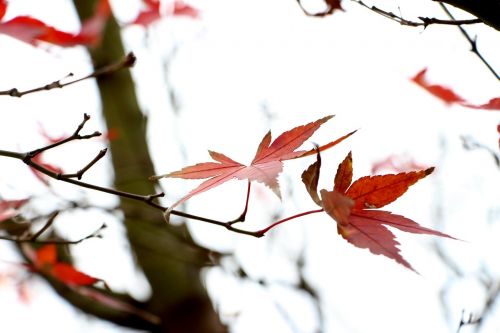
[[178, 298]]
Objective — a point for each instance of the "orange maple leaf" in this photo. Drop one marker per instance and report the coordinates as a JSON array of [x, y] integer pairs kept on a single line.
[[265, 167], [352, 206]]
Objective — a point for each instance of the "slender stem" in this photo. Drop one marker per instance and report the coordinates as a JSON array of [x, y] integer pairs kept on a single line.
[[262, 232], [243, 215]]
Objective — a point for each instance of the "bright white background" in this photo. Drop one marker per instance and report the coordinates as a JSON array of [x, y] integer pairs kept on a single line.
[[246, 67]]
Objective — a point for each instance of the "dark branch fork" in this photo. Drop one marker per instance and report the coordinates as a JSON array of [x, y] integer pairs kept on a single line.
[[28, 157]]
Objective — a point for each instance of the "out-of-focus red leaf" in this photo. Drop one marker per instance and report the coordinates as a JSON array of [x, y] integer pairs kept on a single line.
[[3, 8], [9, 208], [152, 12], [69, 275], [493, 104], [32, 31], [43, 178], [448, 96], [498, 130], [46, 262], [396, 163], [46, 256], [265, 167], [111, 134], [183, 9], [49, 138], [91, 31], [359, 224], [443, 93]]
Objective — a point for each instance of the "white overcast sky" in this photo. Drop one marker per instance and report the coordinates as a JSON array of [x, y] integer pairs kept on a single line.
[[246, 67]]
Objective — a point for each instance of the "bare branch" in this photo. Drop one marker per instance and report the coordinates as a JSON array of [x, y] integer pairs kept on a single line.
[[27, 158], [425, 21], [126, 62]]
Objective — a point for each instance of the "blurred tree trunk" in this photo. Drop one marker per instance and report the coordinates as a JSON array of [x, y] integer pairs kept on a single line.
[[166, 254]]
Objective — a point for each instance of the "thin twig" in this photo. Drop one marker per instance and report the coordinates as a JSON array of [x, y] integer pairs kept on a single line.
[[263, 231], [75, 136], [472, 42], [27, 158], [426, 21], [79, 174], [127, 62], [46, 226], [34, 240]]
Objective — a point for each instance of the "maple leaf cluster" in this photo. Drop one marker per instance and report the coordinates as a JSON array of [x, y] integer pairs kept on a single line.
[[351, 204]]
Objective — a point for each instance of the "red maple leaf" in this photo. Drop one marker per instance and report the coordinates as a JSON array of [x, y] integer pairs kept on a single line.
[[32, 30], [448, 96], [265, 167], [397, 163], [10, 208], [152, 11], [353, 207], [3, 8], [46, 262]]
